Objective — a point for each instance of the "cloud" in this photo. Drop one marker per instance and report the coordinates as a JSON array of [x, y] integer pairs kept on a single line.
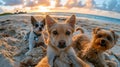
[[1, 10], [72, 3], [36, 3], [12, 2], [27, 3], [58, 3], [32, 3]]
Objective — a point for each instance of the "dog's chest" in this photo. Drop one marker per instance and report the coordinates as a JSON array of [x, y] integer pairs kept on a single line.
[[93, 57], [38, 39]]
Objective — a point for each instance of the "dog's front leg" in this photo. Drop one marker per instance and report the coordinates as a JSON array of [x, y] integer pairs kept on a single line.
[[77, 62], [102, 62], [31, 44], [51, 56], [64, 57]]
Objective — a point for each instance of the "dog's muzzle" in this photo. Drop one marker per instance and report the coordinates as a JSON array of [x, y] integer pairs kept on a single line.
[[40, 29], [103, 43], [62, 44]]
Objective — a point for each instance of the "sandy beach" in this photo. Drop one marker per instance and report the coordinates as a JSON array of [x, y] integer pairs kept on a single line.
[[13, 47]]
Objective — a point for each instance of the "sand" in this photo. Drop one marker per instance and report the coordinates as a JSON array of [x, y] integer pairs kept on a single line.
[[13, 47]]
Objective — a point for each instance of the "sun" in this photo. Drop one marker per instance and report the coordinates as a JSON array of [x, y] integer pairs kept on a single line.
[[43, 9]]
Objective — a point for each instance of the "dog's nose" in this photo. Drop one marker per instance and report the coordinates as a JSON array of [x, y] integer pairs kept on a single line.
[[62, 44], [103, 43], [40, 29]]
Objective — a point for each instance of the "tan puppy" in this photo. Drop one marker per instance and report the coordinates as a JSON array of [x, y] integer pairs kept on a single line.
[[59, 50], [92, 52]]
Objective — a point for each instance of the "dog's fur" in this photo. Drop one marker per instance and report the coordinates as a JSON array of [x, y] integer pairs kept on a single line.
[[80, 40], [59, 50], [35, 36], [92, 50]]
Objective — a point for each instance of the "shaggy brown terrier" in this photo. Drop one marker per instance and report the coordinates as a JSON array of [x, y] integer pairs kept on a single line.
[[92, 51], [59, 51]]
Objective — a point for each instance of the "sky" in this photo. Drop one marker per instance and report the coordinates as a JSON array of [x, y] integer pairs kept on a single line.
[[37, 5]]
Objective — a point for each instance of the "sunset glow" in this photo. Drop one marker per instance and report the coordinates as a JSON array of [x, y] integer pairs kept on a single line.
[[52, 3], [55, 5], [47, 8], [43, 9]]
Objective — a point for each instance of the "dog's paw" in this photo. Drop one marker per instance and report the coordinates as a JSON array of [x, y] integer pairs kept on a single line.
[[72, 59], [64, 57], [111, 63]]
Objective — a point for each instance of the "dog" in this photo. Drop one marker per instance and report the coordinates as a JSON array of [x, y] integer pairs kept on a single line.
[[35, 37], [93, 50], [59, 50], [80, 40]]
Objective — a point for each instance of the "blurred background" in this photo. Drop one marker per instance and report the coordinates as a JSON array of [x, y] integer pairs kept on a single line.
[[57, 5]]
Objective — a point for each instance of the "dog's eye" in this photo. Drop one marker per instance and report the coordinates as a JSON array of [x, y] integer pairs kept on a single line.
[[99, 36], [41, 25], [68, 33], [55, 32], [36, 25], [109, 38]]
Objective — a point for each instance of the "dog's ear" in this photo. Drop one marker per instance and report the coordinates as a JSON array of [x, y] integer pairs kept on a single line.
[[71, 21], [116, 36], [33, 21], [49, 21], [43, 21], [95, 30]]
